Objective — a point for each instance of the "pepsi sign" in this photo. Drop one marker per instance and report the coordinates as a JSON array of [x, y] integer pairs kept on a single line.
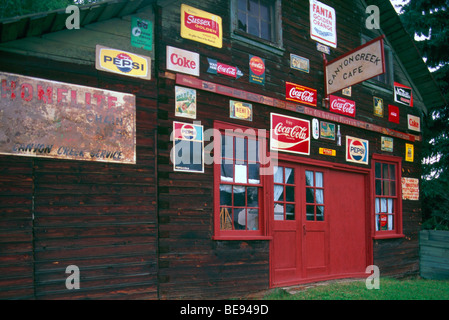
[[357, 150]]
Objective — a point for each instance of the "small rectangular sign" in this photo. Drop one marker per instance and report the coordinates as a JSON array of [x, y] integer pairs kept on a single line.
[[342, 106], [328, 152], [393, 113], [403, 94], [240, 110], [289, 134], [201, 26], [410, 189], [378, 105], [357, 150], [142, 33], [327, 130], [299, 63], [302, 94], [184, 61], [185, 101], [323, 23], [188, 147], [409, 152], [414, 123], [386, 144]]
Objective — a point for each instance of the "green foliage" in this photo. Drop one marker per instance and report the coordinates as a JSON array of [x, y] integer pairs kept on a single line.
[[429, 19], [12, 8]]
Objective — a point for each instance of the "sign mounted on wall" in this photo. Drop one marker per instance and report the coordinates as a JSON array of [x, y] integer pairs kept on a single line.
[[183, 61], [393, 113], [357, 150], [409, 152], [342, 106], [185, 101], [240, 110], [414, 123], [256, 70], [323, 23], [386, 144], [188, 147], [122, 62], [289, 134], [378, 104], [141, 33], [201, 26], [216, 67], [358, 65], [302, 94], [299, 63], [410, 189], [403, 94], [51, 119]]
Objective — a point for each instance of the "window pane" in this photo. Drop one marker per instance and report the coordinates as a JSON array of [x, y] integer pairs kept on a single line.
[[225, 195], [310, 196], [253, 219], [240, 174], [253, 7], [310, 213], [278, 193], [392, 172], [252, 196], [253, 175], [241, 147], [240, 218], [278, 211], [378, 187], [252, 150], [278, 174], [289, 175], [393, 188], [242, 21], [378, 170], [265, 30], [227, 146], [289, 194], [253, 26], [319, 179], [226, 219], [385, 174], [227, 172], [386, 185], [239, 196], [319, 213], [377, 205], [242, 5], [390, 206], [309, 178], [319, 196], [290, 212], [265, 12]]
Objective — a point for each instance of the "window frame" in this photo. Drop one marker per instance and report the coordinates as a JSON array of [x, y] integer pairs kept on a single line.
[[274, 46], [389, 67], [397, 231], [219, 234]]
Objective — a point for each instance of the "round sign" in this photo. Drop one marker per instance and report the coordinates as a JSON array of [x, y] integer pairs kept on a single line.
[[257, 66]]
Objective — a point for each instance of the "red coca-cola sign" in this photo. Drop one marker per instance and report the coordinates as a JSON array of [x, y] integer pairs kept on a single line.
[[298, 93], [342, 106], [226, 70], [290, 134]]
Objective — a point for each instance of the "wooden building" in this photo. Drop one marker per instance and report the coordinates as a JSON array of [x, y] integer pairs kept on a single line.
[[184, 149]]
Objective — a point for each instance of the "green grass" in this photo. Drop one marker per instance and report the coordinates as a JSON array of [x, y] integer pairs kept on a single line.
[[390, 289]]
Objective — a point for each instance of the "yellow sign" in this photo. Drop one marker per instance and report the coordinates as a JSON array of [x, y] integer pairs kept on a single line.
[[409, 152], [201, 26], [328, 152], [122, 62]]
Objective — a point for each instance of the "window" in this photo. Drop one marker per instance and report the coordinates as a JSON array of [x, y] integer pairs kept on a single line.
[[284, 193], [238, 183], [314, 196], [258, 22], [385, 79], [387, 200]]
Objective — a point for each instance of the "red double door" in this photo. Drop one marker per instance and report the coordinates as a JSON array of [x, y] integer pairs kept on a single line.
[[318, 223]]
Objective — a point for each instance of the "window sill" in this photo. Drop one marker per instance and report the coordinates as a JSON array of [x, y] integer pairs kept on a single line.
[[259, 43], [242, 238], [378, 87], [389, 236]]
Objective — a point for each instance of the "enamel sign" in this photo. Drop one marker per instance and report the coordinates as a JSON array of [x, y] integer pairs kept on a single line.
[[122, 62], [183, 61], [357, 150], [302, 94], [188, 147], [201, 26], [290, 134], [363, 63], [323, 23]]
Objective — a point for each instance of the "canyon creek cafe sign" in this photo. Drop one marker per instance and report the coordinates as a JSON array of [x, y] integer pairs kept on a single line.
[[358, 65], [51, 119]]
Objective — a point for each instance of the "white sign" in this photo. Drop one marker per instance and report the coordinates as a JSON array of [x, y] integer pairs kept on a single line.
[[414, 122], [323, 23], [183, 61]]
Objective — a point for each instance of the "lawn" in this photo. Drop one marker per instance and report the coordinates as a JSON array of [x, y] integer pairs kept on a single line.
[[389, 289]]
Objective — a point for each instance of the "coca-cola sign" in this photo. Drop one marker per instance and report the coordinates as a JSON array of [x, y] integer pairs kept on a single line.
[[298, 93], [342, 106], [289, 134]]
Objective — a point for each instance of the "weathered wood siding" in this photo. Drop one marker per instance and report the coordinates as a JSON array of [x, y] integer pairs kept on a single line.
[[434, 254]]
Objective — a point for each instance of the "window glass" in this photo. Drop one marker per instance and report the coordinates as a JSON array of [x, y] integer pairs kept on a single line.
[[386, 196], [284, 193]]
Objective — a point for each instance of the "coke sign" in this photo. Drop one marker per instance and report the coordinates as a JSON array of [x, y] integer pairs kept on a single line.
[[184, 61], [342, 106], [298, 93], [290, 134]]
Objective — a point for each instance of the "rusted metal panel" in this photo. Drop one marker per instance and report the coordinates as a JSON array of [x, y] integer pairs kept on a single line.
[[42, 118]]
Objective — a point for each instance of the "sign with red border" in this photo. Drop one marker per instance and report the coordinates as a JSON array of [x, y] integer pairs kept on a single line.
[[342, 106], [299, 93], [289, 134], [357, 150]]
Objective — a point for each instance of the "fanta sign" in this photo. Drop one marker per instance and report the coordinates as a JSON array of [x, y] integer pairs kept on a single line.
[[298, 93], [183, 61], [121, 62], [290, 134], [201, 26], [357, 150]]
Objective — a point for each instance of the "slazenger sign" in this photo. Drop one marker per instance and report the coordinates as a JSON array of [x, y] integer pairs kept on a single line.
[[363, 63], [183, 61], [290, 134], [122, 62]]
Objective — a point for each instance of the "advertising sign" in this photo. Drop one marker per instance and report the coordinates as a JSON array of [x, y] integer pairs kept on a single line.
[[323, 23], [299, 93], [393, 113], [122, 62], [363, 63], [403, 94], [256, 70], [414, 123], [290, 134], [386, 144], [183, 61], [201, 26], [216, 67], [409, 152], [299, 63], [51, 119], [188, 147], [141, 33], [185, 101], [357, 150], [240, 110], [410, 189], [327, 130], [378, 104], [342, 106]]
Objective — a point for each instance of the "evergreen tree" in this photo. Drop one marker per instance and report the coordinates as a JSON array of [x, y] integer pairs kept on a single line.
[[428, 19]]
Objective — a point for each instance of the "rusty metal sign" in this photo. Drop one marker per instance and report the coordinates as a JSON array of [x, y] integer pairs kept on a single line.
[[50, 119]]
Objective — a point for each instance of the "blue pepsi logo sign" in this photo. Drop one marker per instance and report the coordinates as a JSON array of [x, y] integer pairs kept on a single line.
[[357, 150]]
